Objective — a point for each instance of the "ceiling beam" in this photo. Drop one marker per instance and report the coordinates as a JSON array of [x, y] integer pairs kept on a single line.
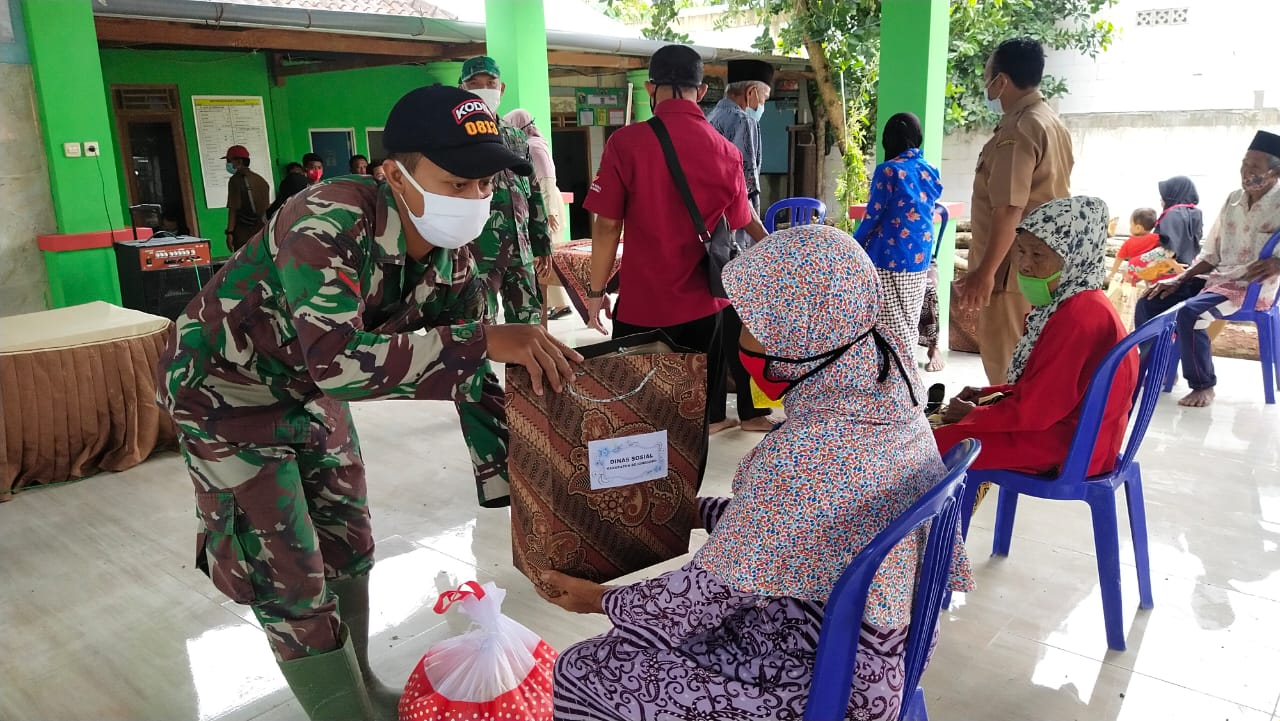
[[573, 58], [132, 31], [354, 62]]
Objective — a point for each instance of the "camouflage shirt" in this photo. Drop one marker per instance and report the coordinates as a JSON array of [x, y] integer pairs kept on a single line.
[[312, 312], [517, 231]]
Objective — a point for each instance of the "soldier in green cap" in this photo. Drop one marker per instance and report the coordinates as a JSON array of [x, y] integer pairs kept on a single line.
[[319, 309], [510, 254]]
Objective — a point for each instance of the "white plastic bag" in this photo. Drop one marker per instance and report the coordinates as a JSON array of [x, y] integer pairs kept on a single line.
[[498, 669]]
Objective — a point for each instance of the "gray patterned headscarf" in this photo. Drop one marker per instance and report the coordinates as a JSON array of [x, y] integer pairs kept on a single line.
[[1076, 229]]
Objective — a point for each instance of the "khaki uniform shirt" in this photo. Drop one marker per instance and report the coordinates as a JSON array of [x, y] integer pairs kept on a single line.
[[1027, 162]]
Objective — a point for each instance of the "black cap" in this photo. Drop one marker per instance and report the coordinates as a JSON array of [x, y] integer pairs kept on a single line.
[[743, 70], [453, 129], [1265, 142], [676, 65]]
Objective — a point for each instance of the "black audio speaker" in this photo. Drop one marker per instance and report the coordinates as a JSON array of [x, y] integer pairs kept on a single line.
[[161, 275]]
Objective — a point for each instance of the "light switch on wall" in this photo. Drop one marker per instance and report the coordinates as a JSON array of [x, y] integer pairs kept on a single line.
[[71, 150]]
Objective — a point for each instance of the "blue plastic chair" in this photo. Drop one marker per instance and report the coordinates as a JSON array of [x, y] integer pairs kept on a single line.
[[800, 211], [842, 619], [1268, 323], [1072, 483]]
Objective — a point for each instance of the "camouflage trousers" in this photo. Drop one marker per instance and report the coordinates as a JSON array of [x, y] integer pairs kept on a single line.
[[484, 424], [276, 523]]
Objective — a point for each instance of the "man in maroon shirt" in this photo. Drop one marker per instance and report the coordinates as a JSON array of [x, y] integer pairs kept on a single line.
[[663, 277]]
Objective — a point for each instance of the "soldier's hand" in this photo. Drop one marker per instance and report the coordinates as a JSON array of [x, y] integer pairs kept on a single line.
[[537, 350]]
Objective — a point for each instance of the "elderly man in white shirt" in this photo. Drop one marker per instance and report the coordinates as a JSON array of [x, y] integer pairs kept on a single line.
[[1228, 262]]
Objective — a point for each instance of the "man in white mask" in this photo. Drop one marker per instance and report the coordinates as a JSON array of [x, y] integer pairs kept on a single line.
[[509, 254], [1026, 163], [318, 310]]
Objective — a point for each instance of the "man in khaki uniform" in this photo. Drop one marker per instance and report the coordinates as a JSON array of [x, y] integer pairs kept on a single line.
[[1026, 163]]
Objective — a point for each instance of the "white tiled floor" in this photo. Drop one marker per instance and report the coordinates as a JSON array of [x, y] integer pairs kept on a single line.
[[103, 617]]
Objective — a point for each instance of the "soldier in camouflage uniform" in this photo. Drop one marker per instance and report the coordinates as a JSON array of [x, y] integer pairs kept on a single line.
[[313, 313], [508, 255]]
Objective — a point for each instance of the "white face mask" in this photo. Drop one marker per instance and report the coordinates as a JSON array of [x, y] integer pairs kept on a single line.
[[447, 222], [993, 104], [491, 97]]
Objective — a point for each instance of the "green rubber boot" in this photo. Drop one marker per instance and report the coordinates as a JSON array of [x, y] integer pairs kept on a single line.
[[329, 686], [353, 609]]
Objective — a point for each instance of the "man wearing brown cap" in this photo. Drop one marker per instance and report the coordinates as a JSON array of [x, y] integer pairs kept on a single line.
[[322, 310], [248, 197], [1215, 286]]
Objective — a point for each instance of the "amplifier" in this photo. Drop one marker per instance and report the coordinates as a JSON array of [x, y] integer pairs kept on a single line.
[[161, 275]]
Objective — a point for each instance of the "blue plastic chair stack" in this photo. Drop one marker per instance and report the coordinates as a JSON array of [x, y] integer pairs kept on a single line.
[[1268, 323], [842, 620], [800, 211], [1073, 483]]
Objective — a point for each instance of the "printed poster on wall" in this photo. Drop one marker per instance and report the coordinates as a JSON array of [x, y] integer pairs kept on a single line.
[[223, 121]]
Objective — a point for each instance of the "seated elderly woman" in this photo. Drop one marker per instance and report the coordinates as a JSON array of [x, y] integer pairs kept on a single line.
[[732, 634], [1059, 254]]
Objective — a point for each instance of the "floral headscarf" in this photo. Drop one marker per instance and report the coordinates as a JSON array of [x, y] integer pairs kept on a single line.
[[1076, 229], [855, 451]]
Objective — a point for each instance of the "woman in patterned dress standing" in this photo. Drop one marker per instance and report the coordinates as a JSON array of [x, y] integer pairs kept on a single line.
[[732, 634]]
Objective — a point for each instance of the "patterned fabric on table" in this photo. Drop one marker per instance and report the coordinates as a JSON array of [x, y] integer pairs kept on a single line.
[[572, 265], [855, 451], [557, 521]]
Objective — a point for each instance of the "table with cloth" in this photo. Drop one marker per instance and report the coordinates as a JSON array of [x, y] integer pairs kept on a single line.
[[571, 268], [77, 393]]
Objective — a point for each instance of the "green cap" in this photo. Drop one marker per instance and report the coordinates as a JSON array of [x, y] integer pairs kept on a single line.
[[477, 66]]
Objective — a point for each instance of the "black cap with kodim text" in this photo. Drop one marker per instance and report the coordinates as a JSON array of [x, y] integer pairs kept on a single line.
[[678, 65], [453, 129]]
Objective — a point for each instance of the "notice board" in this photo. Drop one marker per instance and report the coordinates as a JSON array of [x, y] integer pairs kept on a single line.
[[223, 121], [601, 106]]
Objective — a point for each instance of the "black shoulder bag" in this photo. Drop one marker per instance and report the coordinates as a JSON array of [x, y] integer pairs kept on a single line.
[[720, 244]]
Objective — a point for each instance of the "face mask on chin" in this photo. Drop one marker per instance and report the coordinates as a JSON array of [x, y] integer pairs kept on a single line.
[[447, 222]]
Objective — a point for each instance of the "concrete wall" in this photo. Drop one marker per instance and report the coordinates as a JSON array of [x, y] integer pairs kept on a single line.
[[1177, 99], [26, 205], [1222, 58], [1121, 156]]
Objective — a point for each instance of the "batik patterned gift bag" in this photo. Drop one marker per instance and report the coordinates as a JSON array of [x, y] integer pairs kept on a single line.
[[624, 390]]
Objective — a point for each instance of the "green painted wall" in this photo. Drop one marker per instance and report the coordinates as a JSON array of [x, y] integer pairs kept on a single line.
[[200, 73], [913, 78], [64, 62], [63, 48], [358, 99], [516, 37]]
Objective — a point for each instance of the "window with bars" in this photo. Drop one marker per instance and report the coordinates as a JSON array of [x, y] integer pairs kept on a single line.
[[1161, 17], [146, 99]]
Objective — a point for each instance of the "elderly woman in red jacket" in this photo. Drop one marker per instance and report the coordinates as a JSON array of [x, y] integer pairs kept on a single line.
[[1059, 254]]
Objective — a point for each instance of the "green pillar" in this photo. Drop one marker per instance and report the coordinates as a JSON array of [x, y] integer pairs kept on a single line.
[[72, 105], [640, 110], [445, 73], [516, 37], [913, 79]]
